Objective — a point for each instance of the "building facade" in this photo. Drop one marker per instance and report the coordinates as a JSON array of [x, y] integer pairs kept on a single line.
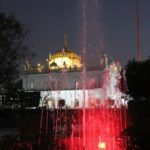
[[63, 81]]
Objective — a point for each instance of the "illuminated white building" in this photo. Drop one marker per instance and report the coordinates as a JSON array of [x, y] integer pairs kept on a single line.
[[64, 78]]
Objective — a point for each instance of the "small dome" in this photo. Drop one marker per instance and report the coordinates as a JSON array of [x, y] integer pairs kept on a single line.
[[53, 64]]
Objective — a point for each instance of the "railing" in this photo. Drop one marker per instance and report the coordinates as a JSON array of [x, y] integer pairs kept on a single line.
[[36, 71]]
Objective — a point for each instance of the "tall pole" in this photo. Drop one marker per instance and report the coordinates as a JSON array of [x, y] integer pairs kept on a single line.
[[138, 30], [84, 38]]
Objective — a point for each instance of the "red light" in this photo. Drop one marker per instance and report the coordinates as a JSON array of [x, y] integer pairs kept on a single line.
[[101, 145]]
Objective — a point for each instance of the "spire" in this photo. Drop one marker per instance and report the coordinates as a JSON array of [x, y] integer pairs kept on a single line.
[[65, 42]]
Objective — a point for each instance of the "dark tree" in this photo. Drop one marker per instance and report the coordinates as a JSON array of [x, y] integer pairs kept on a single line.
[[138, 79], [12, 50], [138, 82]]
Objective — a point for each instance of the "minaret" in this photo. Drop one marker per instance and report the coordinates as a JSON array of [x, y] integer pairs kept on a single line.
[[65, 42]]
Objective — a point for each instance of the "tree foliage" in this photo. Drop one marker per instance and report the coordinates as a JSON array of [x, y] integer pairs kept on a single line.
[[12, 49], [138, 79]]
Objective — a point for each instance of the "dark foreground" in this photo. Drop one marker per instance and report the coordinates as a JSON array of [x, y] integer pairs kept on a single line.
[[41, 129]]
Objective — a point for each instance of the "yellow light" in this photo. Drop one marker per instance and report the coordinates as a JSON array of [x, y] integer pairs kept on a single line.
[[102, 145]]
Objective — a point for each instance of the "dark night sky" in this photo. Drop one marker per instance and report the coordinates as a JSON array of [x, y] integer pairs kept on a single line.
[[111, 25]]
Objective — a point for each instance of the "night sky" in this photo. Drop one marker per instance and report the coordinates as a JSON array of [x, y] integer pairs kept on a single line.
[[110, 27]]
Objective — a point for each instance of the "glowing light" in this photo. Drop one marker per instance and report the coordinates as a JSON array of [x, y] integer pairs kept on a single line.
[[102, 145]]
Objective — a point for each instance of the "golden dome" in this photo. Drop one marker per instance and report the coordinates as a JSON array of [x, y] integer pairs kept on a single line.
[[64, 58], [65, 53]]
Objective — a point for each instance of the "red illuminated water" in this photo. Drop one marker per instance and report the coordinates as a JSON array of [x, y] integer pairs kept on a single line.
[[102, 129]]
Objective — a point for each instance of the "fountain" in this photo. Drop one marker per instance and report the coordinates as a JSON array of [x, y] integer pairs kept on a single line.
[[94, 124], [97, 123]]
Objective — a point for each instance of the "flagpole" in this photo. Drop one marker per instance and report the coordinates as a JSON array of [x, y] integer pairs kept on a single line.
[[138, 30]]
